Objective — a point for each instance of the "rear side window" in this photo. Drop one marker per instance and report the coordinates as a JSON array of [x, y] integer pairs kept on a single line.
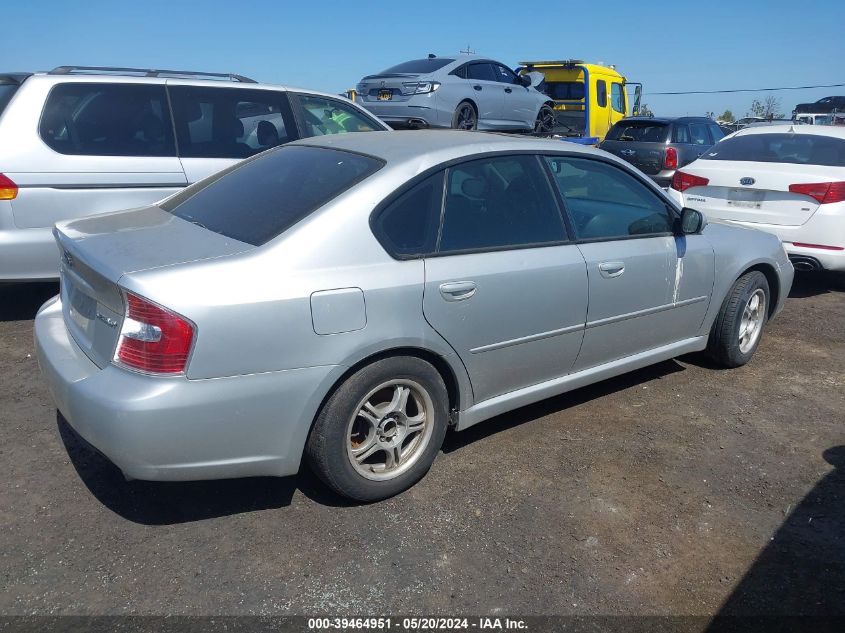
[[408, 225], [643, 131], [497, 203], [798, 149], [680, 134], [229, 122], [601, 93], [418, 66], [321, 116], [257, 200], [101, 119], [698, 134], [606, 202]]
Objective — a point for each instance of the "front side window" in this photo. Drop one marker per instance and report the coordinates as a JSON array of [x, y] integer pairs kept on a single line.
[[321, 116], [408, 225], [497, 203], [505, 75], [259, 199], [797, 149], [100, 119], [680, 134], [229, 122], [698, 134], [601, 93], [606, 202], [617, 98]]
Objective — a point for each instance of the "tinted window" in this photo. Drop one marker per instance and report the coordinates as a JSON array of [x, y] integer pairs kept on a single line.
[[563, 90], [644, 131], [716, 133], [800, 149], [481, 72], [499, 202], [418, 66], [321, 116], [229, 123], [601, 93], [257, 200], [7, 91], [504, 75], [108, 120], [460, 72], [617, 98], [698, 134], [680, 134], [409, 224], [606, 202]]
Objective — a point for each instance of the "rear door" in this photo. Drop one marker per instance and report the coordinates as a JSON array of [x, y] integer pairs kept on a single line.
[[216, 126], [505, 288], [109, 146]]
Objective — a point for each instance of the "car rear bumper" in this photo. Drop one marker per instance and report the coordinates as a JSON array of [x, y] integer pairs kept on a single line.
[[418, 111], [28, 255], [172, 428]]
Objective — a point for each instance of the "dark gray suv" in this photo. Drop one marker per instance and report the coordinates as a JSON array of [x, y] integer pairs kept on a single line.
[[659, 146]]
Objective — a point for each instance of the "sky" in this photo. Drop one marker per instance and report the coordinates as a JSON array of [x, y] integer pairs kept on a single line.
[[329, 45]]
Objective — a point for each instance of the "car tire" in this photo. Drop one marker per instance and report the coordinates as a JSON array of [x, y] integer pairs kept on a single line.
[[363, 445], [465, 117], [544, 125], [739, 325]]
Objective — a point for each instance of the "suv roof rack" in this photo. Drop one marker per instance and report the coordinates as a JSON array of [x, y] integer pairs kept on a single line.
[[146, 72]]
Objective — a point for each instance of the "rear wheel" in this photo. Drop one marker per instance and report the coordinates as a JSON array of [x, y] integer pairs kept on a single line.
[[465, 117], [739, 325], [379, 433], [545, 123]]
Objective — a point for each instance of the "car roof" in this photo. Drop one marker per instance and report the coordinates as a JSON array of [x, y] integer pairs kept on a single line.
[[436, 146], [789, 128], [668, 119]]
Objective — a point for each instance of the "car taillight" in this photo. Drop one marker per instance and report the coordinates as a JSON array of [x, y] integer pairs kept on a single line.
[[823, 192], [670, 161], [682, 181], [153, 339], [8, 189]]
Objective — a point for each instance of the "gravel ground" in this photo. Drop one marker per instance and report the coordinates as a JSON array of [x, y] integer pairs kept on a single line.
[[678, 489]]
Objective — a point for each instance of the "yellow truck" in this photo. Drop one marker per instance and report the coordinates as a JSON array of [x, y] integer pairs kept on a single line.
[[589, 98]]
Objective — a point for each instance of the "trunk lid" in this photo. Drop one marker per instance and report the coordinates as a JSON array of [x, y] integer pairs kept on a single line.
[[97, 251], [647, 157], [385, 87], [766, 198]]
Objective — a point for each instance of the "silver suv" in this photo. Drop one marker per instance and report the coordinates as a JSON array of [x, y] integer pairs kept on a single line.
[[79, 141]]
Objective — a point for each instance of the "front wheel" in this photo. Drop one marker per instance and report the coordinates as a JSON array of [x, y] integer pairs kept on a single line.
[[379, 433], [739, 326], [545, 123], [465, 117]]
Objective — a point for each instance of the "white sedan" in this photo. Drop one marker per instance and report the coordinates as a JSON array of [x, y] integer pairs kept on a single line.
[[784, 179]]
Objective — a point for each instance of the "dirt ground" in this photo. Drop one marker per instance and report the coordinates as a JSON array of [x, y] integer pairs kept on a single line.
[[678, 489]]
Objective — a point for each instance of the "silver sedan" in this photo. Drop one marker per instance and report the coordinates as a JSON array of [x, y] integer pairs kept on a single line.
[[349, 299]]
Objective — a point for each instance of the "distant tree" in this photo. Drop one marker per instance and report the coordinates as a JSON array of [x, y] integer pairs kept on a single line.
[[727, 117], [769, 108], [645, 110]]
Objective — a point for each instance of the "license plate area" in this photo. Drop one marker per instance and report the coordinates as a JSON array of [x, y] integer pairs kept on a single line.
[[385, 95], [745, 198]]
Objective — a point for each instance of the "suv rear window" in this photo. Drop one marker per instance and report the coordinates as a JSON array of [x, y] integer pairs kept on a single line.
[[418, 66], [643, 131], [7, 91], [259, 199], [798, 149]]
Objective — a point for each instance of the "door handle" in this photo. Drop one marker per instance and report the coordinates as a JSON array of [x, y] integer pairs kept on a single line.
[[477, 87], [611, 269], [508, 90], [458, 290]]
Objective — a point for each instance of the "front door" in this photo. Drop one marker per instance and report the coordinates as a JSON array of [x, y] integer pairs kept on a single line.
[[486, 92], [505, 288]]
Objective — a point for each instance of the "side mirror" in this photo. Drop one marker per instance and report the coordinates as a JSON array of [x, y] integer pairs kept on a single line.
[[525, 80], [691, 221]]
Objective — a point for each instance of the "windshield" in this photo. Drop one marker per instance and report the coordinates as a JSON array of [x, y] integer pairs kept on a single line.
[[261, 198], [7, 91], [643, 131], [418, 66], [798, 149]]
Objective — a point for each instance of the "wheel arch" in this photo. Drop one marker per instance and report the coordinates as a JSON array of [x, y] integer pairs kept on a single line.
[[773, 280]]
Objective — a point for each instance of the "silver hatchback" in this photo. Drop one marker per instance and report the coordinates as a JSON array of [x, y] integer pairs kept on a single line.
[[350, 298]]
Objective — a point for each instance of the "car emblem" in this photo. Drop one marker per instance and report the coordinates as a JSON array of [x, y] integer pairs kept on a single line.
[[628, 152], [747, 181], [107, 320], [68, 259]]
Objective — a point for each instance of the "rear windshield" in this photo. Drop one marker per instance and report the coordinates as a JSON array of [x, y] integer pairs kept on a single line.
[[645, 131], [563, 90], [261, 198], [418, 66], [798, 149], [7, 91]]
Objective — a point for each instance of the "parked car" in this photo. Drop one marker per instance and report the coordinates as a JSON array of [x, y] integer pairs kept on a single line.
[[823, 105], [350, 297], [466, 92], [78, 141], [659, 146], [788, 180]]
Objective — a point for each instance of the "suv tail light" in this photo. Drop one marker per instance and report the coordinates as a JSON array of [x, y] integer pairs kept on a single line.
[[670, 161], [153, 339], [682, 181], [823, 192], [8, 189]]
